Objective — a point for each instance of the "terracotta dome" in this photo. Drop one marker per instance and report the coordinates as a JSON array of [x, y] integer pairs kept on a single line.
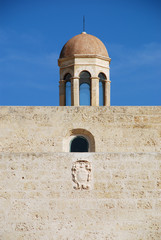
[[83, 44]]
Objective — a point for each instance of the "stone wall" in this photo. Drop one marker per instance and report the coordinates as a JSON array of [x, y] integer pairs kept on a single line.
[[39, 199], [50, 129]]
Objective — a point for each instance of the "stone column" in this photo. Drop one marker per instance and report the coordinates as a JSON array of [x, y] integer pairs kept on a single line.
[[94, 91], [107, 92], [75, 91], [61, 93]]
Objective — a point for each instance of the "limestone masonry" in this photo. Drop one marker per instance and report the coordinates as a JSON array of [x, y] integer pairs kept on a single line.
[[40, 200], [110, 129], [81, 172]]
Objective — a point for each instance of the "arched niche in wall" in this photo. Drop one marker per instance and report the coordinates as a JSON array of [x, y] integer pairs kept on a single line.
[[79, 144], [82, 136]]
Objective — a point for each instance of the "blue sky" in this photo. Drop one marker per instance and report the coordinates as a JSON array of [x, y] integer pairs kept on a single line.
[[32, 34]]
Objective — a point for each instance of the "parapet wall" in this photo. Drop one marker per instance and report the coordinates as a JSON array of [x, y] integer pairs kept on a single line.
[[49, 129], [40, 196]]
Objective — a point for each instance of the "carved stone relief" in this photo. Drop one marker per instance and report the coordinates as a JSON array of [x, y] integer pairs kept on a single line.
[[81, 174]]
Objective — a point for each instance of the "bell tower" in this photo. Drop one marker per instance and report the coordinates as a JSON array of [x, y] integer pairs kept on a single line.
[[84, 72]]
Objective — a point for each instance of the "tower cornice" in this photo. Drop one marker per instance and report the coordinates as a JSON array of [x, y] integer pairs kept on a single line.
[[61, 60]]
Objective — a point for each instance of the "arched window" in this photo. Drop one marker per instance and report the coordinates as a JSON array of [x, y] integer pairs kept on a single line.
[[67, 79], [79, 144], [85, 89], [102, 79]]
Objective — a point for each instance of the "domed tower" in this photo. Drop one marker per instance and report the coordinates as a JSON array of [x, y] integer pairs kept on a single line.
[[84, 72]]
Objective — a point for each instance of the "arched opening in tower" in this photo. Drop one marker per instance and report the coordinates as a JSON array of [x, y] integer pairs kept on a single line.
[[85, 89]]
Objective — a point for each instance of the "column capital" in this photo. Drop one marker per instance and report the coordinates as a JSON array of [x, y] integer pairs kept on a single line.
[[74, 78], [61, 83], [95, 78], [107, 81]]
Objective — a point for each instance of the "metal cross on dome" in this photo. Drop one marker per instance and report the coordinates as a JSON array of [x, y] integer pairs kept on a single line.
[[83, 23]]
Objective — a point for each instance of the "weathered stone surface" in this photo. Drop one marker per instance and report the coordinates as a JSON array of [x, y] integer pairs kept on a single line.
[[50, 129], [115, 194], [38, 201]]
